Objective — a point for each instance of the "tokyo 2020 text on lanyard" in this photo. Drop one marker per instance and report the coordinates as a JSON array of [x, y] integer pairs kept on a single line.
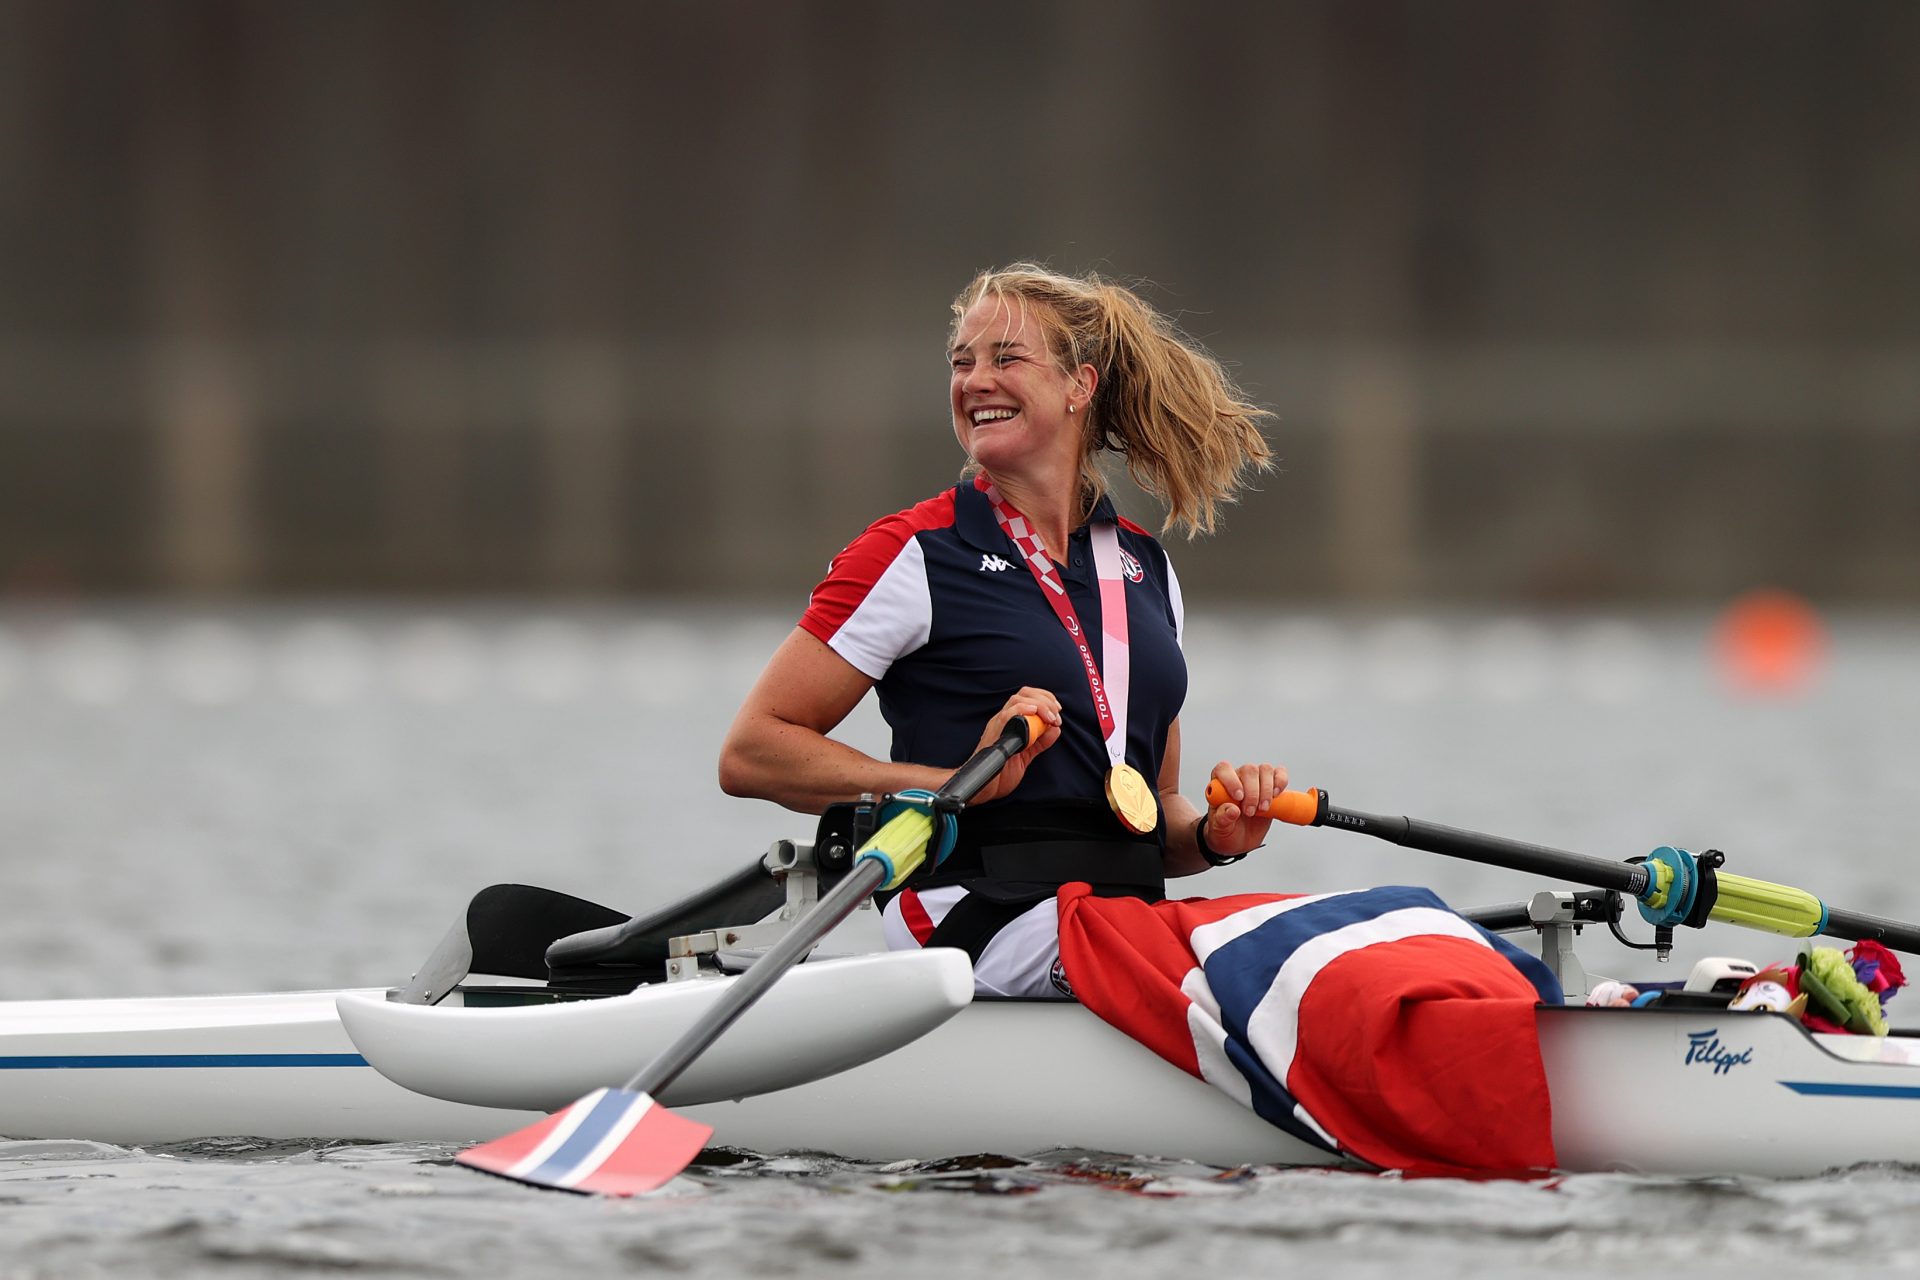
[[1127, 791]]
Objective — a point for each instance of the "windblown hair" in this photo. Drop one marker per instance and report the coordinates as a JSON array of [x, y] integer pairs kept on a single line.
[[1190, 437]]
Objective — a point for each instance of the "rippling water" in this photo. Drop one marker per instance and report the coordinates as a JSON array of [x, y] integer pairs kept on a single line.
[[272, 799], [79, 1209]]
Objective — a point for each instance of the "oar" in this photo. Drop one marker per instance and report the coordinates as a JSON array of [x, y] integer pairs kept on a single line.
[[1673, 887], [620, 1142]]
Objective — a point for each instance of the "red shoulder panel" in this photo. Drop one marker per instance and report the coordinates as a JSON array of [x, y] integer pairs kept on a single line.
[[854, 571]]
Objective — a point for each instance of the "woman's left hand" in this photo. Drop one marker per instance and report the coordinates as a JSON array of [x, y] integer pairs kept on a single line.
[[1240, 822]]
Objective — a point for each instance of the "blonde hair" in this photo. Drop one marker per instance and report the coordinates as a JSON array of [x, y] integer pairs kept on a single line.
[[1190, 438]]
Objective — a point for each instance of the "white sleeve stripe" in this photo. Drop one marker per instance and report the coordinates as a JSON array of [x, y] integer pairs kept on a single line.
[[893, 619], [1179, 606]]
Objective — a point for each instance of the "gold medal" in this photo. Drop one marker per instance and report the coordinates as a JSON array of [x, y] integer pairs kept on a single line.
[[1132, 799]]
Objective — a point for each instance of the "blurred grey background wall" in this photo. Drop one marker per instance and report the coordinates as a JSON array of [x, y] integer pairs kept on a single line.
[[1555, 302]]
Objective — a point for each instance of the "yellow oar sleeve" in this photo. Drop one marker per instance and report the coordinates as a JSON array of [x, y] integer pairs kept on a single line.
[[1769, 907], [901, 844]]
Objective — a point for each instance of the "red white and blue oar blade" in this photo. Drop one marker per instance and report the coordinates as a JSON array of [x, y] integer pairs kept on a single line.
[[613, 1142]]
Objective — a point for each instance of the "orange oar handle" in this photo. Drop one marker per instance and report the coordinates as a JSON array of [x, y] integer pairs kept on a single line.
[[1301, 808], [1035, 727]]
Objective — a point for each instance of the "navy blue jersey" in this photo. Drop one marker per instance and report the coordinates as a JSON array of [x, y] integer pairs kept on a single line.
[[935, 605]]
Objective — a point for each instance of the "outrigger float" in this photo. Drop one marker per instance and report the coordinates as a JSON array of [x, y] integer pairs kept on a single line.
[[536, 997]]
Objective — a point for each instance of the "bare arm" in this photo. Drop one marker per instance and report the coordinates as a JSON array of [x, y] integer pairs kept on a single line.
[[1183, 855], [1228, 831], [778, 748]]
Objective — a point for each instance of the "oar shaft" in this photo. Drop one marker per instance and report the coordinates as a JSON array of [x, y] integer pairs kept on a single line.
[[740, 994], [868, 874], [1783, 909], [1498, 851], [1755, 904], [1858, 926], [1312, 809]]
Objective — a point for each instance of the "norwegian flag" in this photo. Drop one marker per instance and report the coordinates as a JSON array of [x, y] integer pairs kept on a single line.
[[613, 1142], [1378, 1024]]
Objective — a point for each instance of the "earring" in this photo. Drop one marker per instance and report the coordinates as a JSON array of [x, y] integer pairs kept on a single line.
[[1072, 407]]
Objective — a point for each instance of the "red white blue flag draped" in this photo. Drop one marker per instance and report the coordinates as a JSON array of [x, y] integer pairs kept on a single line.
[[1376, 1023]]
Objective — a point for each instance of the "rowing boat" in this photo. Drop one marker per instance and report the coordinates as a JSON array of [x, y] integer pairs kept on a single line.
[[1656, 1090], [534, 997]]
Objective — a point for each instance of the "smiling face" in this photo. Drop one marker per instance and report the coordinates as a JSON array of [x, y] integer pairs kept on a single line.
[[1009, 394]]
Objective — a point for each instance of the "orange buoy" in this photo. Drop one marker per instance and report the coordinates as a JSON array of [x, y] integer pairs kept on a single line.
[[1769, 642]]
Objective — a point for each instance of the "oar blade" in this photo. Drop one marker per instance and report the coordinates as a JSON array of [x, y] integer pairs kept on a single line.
[[613, 1142]]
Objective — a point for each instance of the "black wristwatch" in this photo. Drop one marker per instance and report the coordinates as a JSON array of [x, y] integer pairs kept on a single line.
[[1213, 859]]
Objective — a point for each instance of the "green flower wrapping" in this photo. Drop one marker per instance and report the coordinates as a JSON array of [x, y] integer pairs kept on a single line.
[[1834, 977]]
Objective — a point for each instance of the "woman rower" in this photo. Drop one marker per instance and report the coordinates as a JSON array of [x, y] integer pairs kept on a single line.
[[1021, 591]]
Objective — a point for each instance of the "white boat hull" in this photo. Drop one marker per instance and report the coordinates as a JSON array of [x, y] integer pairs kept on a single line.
[[1647, 1090], [1651, 1090], [1011, 1077], [169, 1069]]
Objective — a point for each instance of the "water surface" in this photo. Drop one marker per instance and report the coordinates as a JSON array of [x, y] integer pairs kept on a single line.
[[273, 799]]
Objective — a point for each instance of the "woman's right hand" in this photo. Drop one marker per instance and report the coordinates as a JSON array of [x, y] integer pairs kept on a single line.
[[1026, 702]]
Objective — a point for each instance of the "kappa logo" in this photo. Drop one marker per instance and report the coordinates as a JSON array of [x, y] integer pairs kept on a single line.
[[1130, 566], [994, 564]]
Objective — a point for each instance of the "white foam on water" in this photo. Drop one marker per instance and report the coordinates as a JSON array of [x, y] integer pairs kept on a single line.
[[323, 662]]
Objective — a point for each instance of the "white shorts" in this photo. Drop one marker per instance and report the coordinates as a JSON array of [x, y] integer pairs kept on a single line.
[[1018, 958]]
